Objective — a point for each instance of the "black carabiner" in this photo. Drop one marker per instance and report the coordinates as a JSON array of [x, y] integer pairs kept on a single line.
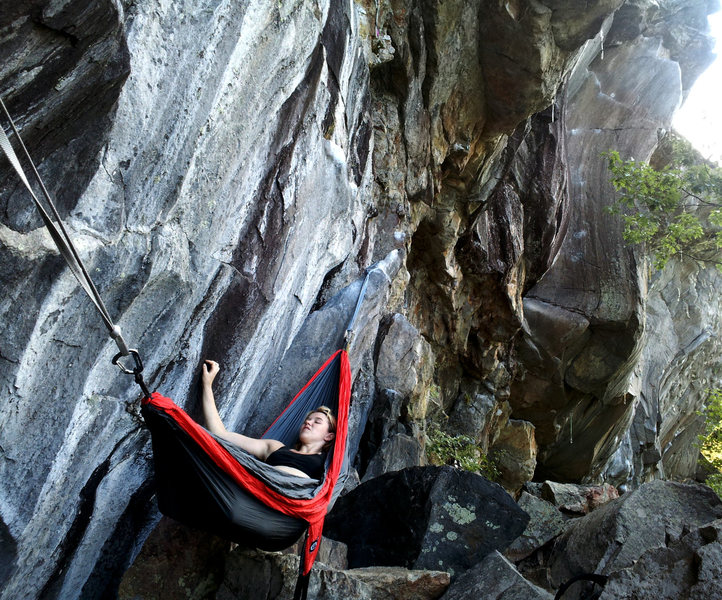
[[123, 368], [137, 371]]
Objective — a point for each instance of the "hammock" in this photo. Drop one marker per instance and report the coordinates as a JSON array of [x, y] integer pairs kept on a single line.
[[209, 483]]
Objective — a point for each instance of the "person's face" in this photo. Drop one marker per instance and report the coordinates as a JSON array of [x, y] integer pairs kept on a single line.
[[315, 429]]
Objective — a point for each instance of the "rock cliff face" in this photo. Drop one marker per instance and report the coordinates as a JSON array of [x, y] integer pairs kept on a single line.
[[228, 170], [596, 318]]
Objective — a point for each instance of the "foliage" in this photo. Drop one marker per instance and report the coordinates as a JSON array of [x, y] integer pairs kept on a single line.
[[711, 439], [675, 210], [459, 451]]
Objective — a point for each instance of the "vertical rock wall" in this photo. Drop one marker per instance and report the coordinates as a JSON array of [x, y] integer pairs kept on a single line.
[[602, 355], [519, 278]]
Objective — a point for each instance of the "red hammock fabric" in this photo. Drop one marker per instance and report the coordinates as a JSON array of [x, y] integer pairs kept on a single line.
[[312, 510]]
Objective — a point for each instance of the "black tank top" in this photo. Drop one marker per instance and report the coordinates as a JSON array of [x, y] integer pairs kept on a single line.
[[311, 464]]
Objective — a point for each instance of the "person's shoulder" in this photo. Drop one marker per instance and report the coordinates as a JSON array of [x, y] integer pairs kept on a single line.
[[271, 447], [274, 445]]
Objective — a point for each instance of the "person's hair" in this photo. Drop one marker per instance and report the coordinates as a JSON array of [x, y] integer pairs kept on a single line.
[[325, 410]]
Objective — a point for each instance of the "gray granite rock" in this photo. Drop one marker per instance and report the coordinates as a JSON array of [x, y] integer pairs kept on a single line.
[[254, 574], [494, 578], [690, 567], [605, 359], [652, 517], [404, 362], [226, 169], [396, 452], [223, 138], [545, 523], [577, 500]]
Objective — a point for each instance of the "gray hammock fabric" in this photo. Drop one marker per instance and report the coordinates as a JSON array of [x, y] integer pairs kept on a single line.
[[283, 483]]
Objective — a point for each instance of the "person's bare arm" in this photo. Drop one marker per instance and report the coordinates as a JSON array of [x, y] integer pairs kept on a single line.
[[259, 448]]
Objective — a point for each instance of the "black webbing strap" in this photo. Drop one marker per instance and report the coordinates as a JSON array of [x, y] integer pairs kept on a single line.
[[301, 591], [596, 578]]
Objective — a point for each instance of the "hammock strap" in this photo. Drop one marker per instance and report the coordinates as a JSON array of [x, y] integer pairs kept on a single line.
[[301, 591], [59, 233], [304, 573], [348, 336]]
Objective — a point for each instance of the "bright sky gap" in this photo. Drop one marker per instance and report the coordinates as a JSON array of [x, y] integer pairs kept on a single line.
[[700, 118]]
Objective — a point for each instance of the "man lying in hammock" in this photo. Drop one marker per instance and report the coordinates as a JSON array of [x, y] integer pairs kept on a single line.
[[307, 459]]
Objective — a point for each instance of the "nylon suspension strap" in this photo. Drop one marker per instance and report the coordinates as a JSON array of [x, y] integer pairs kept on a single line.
[[348, 336], [67, 249]]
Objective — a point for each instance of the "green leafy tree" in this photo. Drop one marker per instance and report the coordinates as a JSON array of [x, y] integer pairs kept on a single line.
[[711, 440], [674, 210]]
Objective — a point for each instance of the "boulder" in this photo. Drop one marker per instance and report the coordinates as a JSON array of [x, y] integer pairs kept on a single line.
[[405, 364], [179, 563], [577, 500], [656, 515], [392, 583], [403, 374], [545, 523], [510, 443], [514, 454], [494, 578], [390, 440], [425, 517], [175, 562], [688, 568], [396, 452], [332, 553], [473, 413], [272, 576]]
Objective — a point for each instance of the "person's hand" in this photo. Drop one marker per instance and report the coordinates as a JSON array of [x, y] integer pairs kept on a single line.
[[210, 370]]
